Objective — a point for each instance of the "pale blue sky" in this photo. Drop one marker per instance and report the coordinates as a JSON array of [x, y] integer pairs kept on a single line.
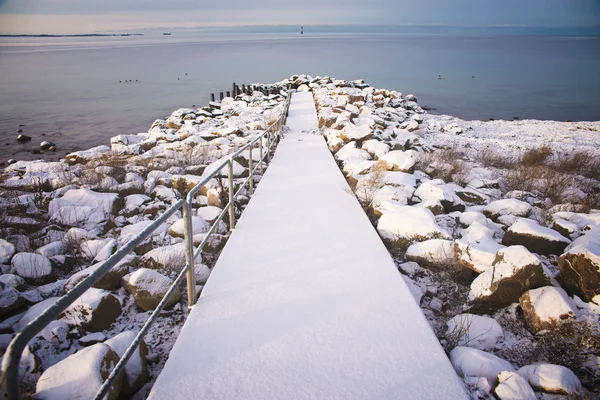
[[69, 16]]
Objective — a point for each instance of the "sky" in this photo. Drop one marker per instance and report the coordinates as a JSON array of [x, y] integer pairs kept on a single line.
[[95, 16]]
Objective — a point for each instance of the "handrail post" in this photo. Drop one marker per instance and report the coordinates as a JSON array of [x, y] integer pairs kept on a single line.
[[262, 157], [250, 168], [268, 147], [189, 253], [231, 194]]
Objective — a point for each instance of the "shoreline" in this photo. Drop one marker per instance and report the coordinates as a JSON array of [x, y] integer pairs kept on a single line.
[[477, 192]]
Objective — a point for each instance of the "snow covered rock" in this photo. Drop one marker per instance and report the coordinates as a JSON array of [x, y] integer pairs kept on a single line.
[[136, 369], [11, 280], [202, 272], [171, 258], [88, 218], [472, 362], [80, 376], [209, 213], [198, 226], [434, 252], [375, 148], [82, 157], [409, 223], [502, 207], [350, 151], [31, 266], [148, 288], [476, 249], [580, 266], [10, 299], [551, 378], [398, 160], [453, 128], [437, 191], [389, 193], [479, 332], [109, 202], [535, 237], [34, 311], [92, 338], [545, 308], [513, 386], [111, 280], [351, 132], [6, 251], [95, 310], [514, 271]]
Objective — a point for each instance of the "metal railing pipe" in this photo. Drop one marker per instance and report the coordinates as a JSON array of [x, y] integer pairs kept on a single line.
[[189, 253], [231, 198]]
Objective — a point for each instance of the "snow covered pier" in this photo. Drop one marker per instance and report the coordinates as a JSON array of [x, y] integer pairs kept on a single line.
[[305, 301]]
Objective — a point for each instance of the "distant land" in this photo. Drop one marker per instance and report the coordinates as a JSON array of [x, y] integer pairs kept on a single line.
[[75, 35]]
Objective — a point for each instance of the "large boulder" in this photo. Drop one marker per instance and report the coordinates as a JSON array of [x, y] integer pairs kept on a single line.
[[477, 248], [80, 376], [434, 252], [351, 132], [170, 258], [472, 362], [94, 311], [408, 223], [545, 308], [398, 160], [148, 288], [502, 207], [111, 280], [477, 331], [551, 378], [6, 251], [31, 266], [136, 369], [535, 237], [580, 266], [512, 386], [514, 271], [437, 191], [10, 299], [198, 226]]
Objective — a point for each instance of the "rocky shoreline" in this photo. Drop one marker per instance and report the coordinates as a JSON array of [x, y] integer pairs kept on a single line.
[[492, 225]]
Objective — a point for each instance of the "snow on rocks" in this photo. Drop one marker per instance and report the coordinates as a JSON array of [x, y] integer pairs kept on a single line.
[[170, 258], [11, 280], [477, 248], [389, 193], [31, 266], [82, 157], [111, 280], [514, 271], [409, 223], [6, 251], [468, 361], [437, 191], [199, 225], [10, 299], [545, 308], [550, 378], [351, 132], [136, 369], [375, 148], [148, 288], [398, 160], [434, 252], [34, 311], [513, 386], [351, 151], [535, 237], [95, 310], [209, 213], [580, 265], [479, 332], [80, 375], [502, 207]]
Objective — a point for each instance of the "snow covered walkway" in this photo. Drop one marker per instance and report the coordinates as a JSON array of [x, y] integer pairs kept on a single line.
[[305, 301]]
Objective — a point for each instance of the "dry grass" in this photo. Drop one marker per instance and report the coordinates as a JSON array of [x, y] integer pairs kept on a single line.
[[448, 164]]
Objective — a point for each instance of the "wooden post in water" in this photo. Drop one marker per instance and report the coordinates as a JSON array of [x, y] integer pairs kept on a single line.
[[228, 93], [212, 97], [221, 96], [234, 89]]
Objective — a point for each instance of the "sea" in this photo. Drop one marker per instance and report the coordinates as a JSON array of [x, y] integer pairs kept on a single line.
[[73, 92]]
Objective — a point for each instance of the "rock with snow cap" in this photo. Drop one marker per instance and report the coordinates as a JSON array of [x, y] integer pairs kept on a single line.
[[477, 249], [479, 332], [545, 308], [514, 207], [535, 237], [136, 369], [409, 223], [580, 265], [398, 160], [31, 266], [149, 287], [7, 250], [80, 375], [10, 300], [551, 378], [468, 361], [434, 252], [82, 157], [514, 271], [95, 310], [512, 386]]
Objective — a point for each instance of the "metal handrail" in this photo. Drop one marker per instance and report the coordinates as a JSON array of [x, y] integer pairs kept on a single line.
[[10, 363]]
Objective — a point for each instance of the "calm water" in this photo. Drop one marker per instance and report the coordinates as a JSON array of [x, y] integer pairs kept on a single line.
[[67, 90]]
